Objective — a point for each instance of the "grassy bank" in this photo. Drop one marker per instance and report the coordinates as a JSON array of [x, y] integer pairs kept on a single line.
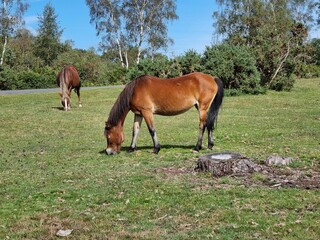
[[55, 175]]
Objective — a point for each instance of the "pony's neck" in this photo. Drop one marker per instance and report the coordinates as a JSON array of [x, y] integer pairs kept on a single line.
[[121, 107], [117, 118], [120, 120]]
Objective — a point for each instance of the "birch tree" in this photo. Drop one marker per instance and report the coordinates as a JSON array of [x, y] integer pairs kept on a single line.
[[146, 21], [132, 23], [11, 17], [107, 17]]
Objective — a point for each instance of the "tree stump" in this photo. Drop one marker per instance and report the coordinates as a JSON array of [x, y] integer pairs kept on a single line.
[[222, 164]]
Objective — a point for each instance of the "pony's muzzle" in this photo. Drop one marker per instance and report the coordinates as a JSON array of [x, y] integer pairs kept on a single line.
[[110, 151]]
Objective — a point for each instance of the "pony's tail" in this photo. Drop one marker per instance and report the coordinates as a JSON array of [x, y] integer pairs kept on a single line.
[[212, 114]]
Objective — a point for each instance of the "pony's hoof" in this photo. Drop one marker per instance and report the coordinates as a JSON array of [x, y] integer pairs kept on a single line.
[[195, 151], [80, 105], [156, 150], [197, 148], [130, 150]]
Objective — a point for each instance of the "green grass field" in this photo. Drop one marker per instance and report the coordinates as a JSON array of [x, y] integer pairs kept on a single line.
[[55, 175]]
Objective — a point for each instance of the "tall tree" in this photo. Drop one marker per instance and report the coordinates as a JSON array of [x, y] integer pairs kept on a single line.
[[157, 41], [47, 43], [146, 21], [11, 12], [22, 46], [109, 23], [274, 30], [132, 23]]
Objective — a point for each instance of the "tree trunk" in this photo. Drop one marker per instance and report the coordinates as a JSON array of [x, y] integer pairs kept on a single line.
[[5, 40], [141, 31], [127, 60], [280, 64], [3, 49], [120, 52], [140, 44], [221, 164]]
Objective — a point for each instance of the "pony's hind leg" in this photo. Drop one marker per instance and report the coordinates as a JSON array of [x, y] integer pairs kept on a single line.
[[199, 142], [203, 116], [77, 90], [135, 132], [210, 139]]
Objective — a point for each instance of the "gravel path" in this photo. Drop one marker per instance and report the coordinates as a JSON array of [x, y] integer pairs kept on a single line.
[[29, 91]]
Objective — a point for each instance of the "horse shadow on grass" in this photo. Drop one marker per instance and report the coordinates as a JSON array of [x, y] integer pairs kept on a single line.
[[150, 148], [58, 108]]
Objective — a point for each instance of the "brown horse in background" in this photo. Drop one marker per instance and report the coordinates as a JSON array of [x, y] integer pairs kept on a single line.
[[149, 95], [68, 79]]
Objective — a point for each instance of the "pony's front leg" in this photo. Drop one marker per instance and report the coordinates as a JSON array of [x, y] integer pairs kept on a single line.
[[66, 104], [135, 132], [148, 116], [156, 144]]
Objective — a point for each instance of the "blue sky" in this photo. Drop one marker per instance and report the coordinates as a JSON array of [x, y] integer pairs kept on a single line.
[[193, 29]]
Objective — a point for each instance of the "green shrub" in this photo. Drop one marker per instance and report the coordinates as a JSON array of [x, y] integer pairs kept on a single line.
[[8, 79], [235, 66], [309, 71], [93, 69], [284, 79], [115, 75], [11, 79], [160, 67], [191, 62]]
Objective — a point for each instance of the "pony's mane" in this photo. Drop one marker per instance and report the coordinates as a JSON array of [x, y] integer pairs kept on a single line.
[[122, 104], [63, 84]]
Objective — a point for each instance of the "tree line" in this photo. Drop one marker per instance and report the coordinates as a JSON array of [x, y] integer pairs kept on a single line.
[[260, 45]]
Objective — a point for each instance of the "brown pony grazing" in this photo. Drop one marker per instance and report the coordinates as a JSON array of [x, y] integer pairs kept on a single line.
[[68, 79], [148, 95]]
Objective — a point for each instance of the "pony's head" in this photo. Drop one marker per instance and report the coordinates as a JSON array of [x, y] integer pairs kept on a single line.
[[114, 136], [65, 101]]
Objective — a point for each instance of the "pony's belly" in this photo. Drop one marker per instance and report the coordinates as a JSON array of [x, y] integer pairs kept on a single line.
[[174, 105], [171, 110]]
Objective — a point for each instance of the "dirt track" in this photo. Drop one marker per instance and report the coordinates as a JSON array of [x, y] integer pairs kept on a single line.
[[29, 91]]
